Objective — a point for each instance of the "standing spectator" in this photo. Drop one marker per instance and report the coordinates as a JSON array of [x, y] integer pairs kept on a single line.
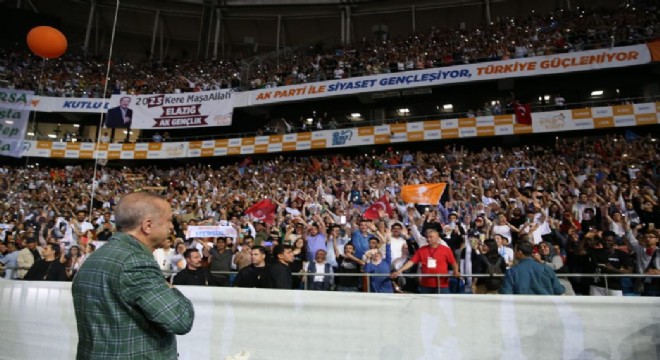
[[360, 238], [504, 250], [434, 259], [243, 257], [194, 273], [124, 308], [609, 260], [648, 261], [106, 233], [546, 256], [80, 226], [335, 236], [397, 240], [178, 262], [347, 263], [27, 257], [316, 238], [501, 226], [105, 138], [560, 102], [261, 233], [49, 266], [322, 278], [256, 274], [280, 272], [220, 260], [299, 258], [105, 219], [377, 265], [10, 261], [490, 262], [73, 260], [163, 255], [528, 276]]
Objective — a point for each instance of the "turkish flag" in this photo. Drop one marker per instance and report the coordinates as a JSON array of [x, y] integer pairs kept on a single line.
[[523, 114], [264, 211], [382, 204], [316, 165], [423, 193]]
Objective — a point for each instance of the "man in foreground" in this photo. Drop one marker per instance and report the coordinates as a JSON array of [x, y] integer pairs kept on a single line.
[[124, 308], [530, 277]]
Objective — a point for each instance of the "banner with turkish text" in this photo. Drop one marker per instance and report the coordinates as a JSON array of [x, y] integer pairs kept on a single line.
[[423, 193], [163, 111], [14, 118], [213, 231]]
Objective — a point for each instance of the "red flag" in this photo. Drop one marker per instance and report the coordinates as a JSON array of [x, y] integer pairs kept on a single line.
[[523, 114], [264, 211], [382, 204], [316, 165], [247, 161]]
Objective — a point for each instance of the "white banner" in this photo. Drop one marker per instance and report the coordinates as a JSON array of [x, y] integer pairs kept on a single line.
[[14, 118], [303, 325], [73, 105], [534, 66], [197, 109], [211, 231], [153, 106]]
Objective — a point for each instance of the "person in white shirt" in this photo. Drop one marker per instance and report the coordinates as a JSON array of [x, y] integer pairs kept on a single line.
[[422, 240], [163, 255], [502, 226], [80, 226], [397, 241], [335, 237], [504, 250]]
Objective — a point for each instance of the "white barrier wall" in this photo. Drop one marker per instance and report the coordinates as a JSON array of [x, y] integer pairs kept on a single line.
[[37, 321]]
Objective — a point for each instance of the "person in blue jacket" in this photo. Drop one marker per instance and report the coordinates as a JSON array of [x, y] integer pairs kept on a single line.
[[530, 277], [376, 264]]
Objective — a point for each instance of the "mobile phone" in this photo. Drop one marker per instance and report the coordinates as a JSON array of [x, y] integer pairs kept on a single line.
[[536, 249], [342, 219]]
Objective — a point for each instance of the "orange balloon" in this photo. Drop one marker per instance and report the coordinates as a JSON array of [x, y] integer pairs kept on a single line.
[[47, 42]]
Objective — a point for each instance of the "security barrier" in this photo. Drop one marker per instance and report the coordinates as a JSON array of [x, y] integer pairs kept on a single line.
[[38, 322]]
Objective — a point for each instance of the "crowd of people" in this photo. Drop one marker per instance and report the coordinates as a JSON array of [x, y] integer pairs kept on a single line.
[[82, 75], [585, 205]]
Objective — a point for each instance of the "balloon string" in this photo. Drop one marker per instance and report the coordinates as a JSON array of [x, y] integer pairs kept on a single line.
[[102, 114], [34, 113]]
